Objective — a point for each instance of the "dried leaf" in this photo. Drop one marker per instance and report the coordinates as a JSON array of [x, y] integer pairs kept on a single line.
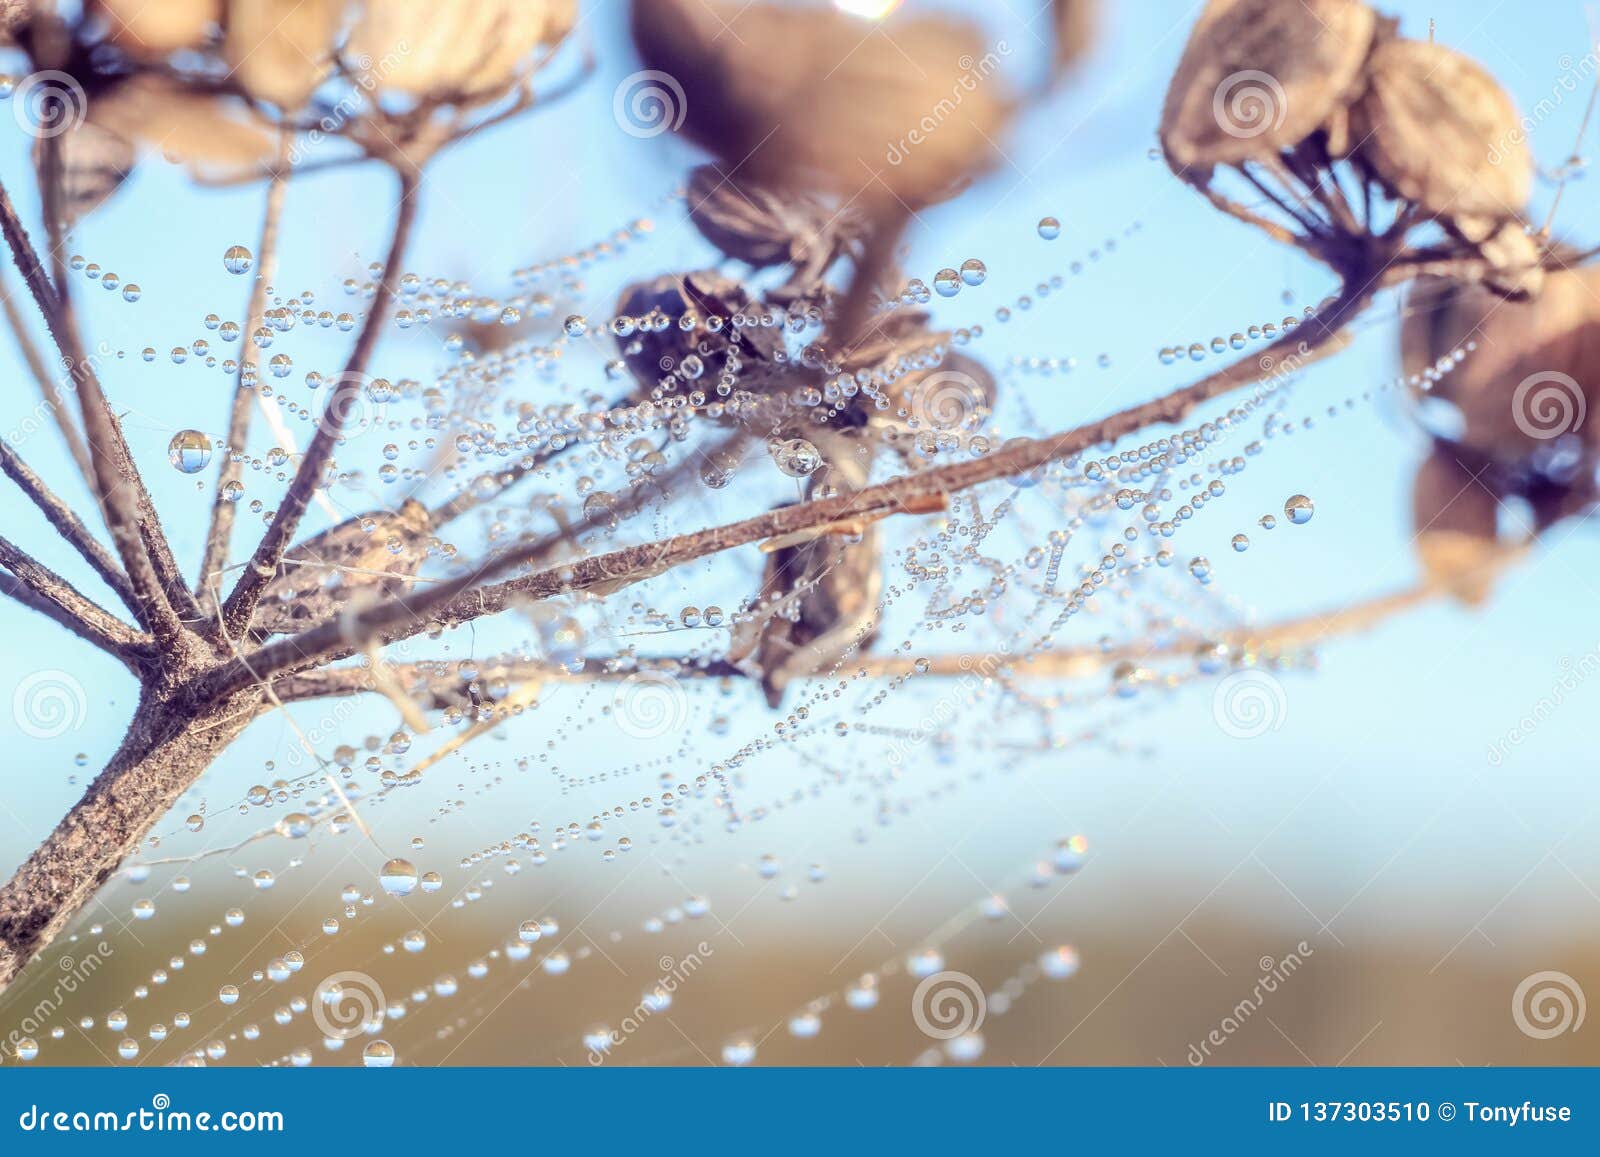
[[762, 225], [811, 97], [280, 50], [1454, 514], [1438, 130], [157, 27], [652, 352], [1259, 76], [1527, 390], [214, 137], [1076, 23], [94, 163], [361, 557], [451, 50], [819, 599]]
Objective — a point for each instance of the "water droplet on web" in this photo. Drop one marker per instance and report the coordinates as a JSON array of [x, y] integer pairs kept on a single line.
[[189, 451], [398, 877], [238, 259], [973, 271], [1049, 228], [1299, 509]]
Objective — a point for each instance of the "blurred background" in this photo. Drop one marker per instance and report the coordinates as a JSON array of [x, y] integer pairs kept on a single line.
[[1412, 879]]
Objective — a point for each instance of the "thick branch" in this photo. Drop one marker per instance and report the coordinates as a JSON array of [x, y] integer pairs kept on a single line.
[[263, 565]]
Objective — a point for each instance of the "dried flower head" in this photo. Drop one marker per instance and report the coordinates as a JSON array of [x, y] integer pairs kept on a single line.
[[795, 96], [1305, 101], [1438, 131], [362, 557], [1258, 77]]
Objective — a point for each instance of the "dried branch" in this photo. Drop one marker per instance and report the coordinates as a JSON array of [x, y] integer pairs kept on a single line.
[[123, 505], [223, 510], [263, 564], [102, 425], [72, 609], [67, 524], [464, 599], [49, 388]]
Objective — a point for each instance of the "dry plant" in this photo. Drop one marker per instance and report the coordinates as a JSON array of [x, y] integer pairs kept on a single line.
[[1316, 122]]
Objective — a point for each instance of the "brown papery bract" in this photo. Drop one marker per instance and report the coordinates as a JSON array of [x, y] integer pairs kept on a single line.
[[907, 109]]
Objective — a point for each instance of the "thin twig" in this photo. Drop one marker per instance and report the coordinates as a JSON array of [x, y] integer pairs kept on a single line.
[[49, 387], [464, 599], [118, 504], [67, 524], [224, 509], [79, 613], [263, 565]]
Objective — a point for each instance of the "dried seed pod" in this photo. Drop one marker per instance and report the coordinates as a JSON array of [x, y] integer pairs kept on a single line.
[[452, 50], [1437, 130], [1259, 76], [762, 225], [1075, 26], [956, 395], [94, 163], [808, 96], [1525, 391], [1455, 513], [280, 50], [652, 351], [211, 136], [146, 28], [819, 598], [370, 554]]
